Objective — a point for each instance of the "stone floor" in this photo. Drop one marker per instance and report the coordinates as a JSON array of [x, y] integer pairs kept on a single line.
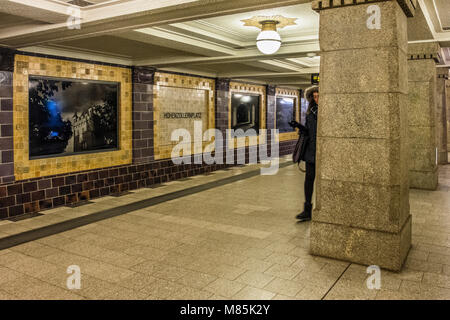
[[235, 241]]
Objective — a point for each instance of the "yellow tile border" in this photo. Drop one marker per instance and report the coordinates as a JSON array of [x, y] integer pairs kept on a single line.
[[186, 82], [237, 87], [24, 168], [288, 93]]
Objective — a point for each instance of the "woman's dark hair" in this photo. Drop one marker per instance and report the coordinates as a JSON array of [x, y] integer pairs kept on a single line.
[[309, 95]]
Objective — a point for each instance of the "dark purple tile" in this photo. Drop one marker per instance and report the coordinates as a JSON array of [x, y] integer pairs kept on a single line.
[[57, 182], [7, 201], [30, 186], [15, 189], [59, 201], [7, 156], [44, 184], [64, 190], [23, 198], [38, 195], [69, 180], [46, 204], [51, 193], [16, 210], [82, 177]]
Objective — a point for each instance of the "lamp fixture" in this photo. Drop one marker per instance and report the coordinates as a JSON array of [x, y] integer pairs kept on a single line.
[[269, 40]]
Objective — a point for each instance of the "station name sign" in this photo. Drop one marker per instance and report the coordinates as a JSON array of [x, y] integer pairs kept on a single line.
[[315, 79], [182, 115]]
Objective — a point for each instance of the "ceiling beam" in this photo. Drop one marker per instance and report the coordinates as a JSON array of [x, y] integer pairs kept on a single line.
[[234, 75], [38, 10], [297, 51], [177, 41]]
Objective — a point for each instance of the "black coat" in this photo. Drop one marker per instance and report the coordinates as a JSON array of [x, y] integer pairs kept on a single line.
[[310, 129]]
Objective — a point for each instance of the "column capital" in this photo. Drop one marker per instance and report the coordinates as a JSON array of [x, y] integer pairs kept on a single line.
[[223, 84], [144, 75], [271, 90], [7, 59], [408, 6], [426, 50]]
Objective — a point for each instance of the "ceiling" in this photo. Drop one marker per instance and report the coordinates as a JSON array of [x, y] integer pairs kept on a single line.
[[203, 37]]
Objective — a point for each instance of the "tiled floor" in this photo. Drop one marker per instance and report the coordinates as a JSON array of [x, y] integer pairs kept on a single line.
[[235, 241]]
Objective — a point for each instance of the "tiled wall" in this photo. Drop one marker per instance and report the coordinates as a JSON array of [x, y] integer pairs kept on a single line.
[[176, 93], [48, 192], [36, 194], [6, 127], [291, 93], [238, 87], [24, 168]]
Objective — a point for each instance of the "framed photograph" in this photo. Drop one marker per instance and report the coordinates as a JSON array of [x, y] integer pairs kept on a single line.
[[285, 112], [71, 116], [245, 112]]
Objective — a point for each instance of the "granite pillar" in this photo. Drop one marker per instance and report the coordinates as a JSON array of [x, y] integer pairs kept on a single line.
[[422, 58], [447, 104], [362, 196], [441, 114]]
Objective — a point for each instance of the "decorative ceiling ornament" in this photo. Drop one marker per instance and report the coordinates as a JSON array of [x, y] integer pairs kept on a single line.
[[269, 40], [281, 21]]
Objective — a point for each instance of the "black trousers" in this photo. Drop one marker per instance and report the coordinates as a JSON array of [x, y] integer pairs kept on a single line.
[[309, 181]]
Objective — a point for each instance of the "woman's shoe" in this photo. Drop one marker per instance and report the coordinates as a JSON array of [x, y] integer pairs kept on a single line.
[[306, 214]]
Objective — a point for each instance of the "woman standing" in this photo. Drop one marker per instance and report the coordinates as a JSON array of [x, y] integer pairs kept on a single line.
[[310, 130]]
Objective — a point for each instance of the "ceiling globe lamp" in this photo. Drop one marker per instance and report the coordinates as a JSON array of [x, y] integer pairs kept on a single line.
[[269, 40]]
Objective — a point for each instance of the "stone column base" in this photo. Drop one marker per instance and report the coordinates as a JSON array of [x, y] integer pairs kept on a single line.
[[427, 180], [443, 157], [363, 246]]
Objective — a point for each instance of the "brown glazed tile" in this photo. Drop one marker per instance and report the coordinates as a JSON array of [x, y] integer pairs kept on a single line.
[[88, 185], [31, 207], [57, 182], [7, 201], [82, 177], [99, 184], [93, 176], [30, 186], [113, 172], [70, 180], [83, 196], [95, 193], [44, 184], [104, 191], [50, 193], [71, 198], [38, 195], [64, 190], [15, 189], [59, 201], [45, 204], [23, 198], [3, 213], [78, 187], [16, 210], [3, 191]]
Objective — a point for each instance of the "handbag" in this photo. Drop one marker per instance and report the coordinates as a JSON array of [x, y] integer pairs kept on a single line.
[[299, 150]]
